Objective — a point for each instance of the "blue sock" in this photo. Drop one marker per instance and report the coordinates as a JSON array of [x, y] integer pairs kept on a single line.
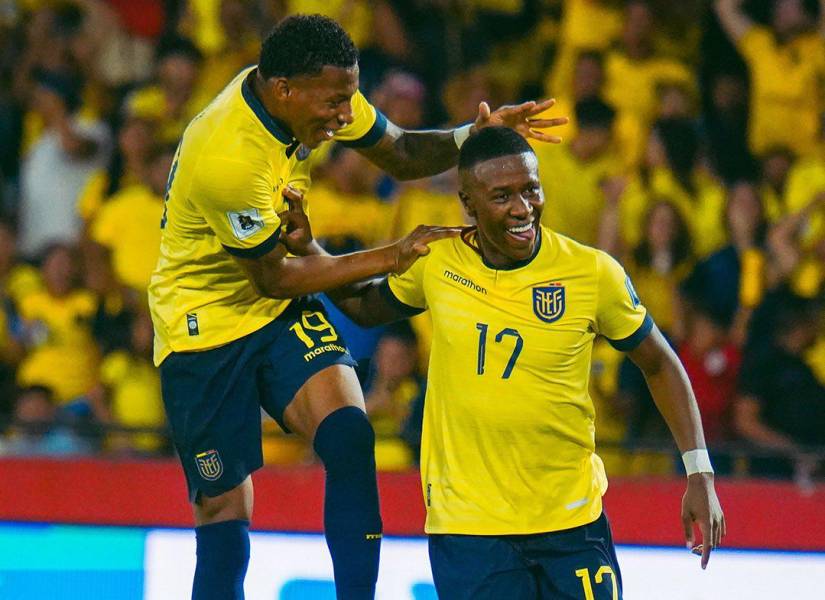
[[345, 442], [223, 555]]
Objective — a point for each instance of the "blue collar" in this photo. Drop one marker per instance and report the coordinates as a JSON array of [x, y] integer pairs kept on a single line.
[[277, 128]]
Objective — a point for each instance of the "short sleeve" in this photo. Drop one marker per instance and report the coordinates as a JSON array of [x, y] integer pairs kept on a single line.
[[620, 315], [368, 125], [756, 44], [237, 200], [406, 291]]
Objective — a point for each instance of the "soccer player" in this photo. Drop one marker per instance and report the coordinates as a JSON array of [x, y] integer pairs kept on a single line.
[[512, 484], [236, 326]]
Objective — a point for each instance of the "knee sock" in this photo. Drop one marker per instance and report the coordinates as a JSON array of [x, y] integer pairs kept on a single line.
[[345, 442], [223, 555]]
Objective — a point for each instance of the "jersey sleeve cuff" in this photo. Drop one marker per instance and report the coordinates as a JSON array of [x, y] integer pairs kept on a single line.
[[375, 133], [405, 309], [256, 251], [632, 341]]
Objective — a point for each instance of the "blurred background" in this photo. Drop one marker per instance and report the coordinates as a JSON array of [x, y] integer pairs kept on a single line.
[[695, 155]]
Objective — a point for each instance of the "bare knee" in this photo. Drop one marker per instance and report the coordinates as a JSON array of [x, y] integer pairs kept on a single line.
[[231, 505]]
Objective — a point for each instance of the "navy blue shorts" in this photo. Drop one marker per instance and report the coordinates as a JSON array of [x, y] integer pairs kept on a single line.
[[214, 398], [574, 564]]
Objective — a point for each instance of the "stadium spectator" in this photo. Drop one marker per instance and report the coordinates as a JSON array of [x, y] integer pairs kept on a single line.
[[129, 391], [126, 230], [57, 166], [172, 100], [634, 74], [392, 392], [781, 404], [62, 354], [659, 263], [786, 62], [725, 124], [37, 428], [587, 84], [730, 282], [573, 175], [674, 171]]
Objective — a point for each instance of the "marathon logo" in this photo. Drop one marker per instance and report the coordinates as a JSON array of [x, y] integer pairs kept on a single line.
[[322, 349], [469, 283]]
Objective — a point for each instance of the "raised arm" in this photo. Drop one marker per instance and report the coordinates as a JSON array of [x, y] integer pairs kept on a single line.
[[415, 154], [733, 19], [670, 387]]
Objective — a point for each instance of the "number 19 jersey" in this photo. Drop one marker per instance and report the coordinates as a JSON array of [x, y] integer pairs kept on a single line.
[[508, 440]]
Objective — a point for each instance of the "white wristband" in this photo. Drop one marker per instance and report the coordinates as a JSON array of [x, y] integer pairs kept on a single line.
[[460, 134], [697, 461]]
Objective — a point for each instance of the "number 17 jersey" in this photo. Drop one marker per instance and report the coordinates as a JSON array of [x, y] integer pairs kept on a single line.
[[508, 441]]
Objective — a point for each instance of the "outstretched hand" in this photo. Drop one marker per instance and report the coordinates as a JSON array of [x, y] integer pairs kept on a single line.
[[296, 233], [522, 118], [700, 506], [415, 245]]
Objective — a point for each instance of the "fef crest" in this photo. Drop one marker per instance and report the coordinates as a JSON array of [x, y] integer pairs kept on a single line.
[[209, 465], [548, 302]]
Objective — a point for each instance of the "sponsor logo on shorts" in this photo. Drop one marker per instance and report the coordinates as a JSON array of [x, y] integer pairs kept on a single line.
[[374, 536], [209, 465], [322, 349], [461, 280]]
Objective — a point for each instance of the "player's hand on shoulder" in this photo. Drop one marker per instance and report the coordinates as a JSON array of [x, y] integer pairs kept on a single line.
[[414, 245], [524, 118], [296, 233], [700, 506]]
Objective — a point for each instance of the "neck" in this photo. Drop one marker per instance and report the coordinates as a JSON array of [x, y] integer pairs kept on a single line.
[[497, 260], [271, 105]]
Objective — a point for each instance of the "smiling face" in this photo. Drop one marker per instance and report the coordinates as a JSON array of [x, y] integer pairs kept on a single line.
[[316, 106], [505, 198]]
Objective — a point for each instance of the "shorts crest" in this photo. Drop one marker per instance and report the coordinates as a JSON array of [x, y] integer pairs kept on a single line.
[[548, 302], [209, 464]]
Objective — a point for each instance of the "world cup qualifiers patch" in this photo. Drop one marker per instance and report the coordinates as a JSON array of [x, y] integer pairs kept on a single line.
[[548, 302], [209, 465], [245, 223]]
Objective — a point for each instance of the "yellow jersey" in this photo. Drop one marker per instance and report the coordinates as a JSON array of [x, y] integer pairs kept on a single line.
[[508, 438], [128, 226], [223, 198], [786, 94]]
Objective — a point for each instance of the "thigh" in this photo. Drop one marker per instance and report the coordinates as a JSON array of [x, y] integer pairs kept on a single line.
[[307, 371], [578, 564], [212, 405], [470, 567]]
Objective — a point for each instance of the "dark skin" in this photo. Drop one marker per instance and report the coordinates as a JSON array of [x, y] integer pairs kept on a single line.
[[504, 194]]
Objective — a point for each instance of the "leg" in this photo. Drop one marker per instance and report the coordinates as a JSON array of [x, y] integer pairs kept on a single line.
[[329, 409], [222, 534], [477, 567], [212, 404]]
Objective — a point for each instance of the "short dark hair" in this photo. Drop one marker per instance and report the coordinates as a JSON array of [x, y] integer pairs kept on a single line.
[[594, 113], [305, 44], [489, 143], [178, 46]]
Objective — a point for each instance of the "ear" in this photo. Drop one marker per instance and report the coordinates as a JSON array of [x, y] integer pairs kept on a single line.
[[279, 86], [467, 203]]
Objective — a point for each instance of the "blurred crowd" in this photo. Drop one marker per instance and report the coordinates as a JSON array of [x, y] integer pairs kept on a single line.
[[695, 155]]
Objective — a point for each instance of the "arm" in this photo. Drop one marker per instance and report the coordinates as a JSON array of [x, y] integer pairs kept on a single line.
[[748, 424], [670, 387], [280, 276], [733, 20], [416, 154]]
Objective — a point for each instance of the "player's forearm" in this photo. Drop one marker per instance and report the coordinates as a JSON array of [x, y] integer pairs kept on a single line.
[[363, 304], [414, 154], [673, 396], [303, 275], [670, 387]]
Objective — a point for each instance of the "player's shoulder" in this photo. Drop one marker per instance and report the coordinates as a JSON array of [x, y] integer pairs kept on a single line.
[[586, 257]]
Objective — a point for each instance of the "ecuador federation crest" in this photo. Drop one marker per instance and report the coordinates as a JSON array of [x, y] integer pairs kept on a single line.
[[548, 302], [209, 465]]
